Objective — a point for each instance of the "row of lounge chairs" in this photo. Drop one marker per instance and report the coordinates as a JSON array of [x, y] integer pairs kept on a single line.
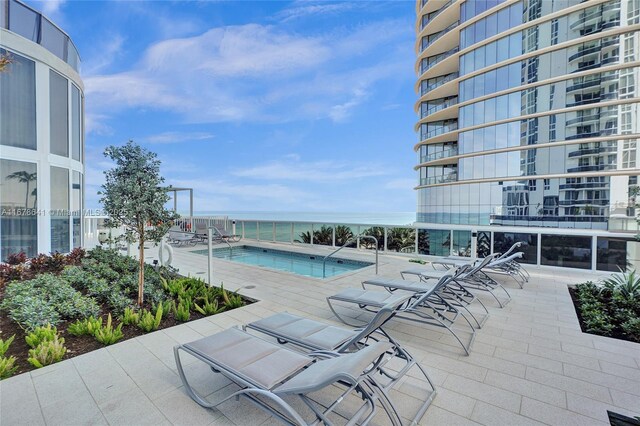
[[365, 362], [178, 237]]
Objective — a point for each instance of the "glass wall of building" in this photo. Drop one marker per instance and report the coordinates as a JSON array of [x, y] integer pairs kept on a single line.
[[59, 114], [566, 251], [18, 208], [18, 103], [60, 210]]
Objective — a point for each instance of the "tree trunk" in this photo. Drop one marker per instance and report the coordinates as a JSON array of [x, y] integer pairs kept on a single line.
[[141, 273]]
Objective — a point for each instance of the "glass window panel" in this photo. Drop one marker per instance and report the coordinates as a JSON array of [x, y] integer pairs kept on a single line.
[[612, 254], [503, 20], [501, 164], [283, 232], [18, 206], [76, 208], [490, 54], [490, 110], [489, 139], [515, 73], [434, 242], [514, 104], [23, 21], [478, 173], [53, 39], [515, 15], [478, 56], [492, 25], [401, 240], [566, 251], [502, 49], [59, 210], [59, 114], [490, 82], [18, 103], [502, 107], [515, 45], [480, 28], [75, 123], [478, 113], [502, 241], [461, 243]]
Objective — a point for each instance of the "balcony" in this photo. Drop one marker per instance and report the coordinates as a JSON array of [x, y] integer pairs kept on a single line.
[[432, 61], [439, 131], [592, 151], [586, 135], [587, 185], [435, 37], [584, 85], [434, 180], [439, 155], [432, 86], [592, 168], [593, 117], [439, 107], [584, 52], [431, 16], [584, 202], [31, 25]]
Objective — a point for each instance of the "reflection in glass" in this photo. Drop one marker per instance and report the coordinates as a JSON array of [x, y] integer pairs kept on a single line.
[[59, 210], [566, 251], [302, 233], [76, 208], [59, 114], [18, 204], [434, 242], [401, 240], [612, 254], [503, 241], [18, 103]]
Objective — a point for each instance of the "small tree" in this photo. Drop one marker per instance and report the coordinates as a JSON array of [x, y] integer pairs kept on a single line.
[[133, 197]]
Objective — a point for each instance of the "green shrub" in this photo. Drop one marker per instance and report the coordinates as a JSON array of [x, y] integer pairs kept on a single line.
[[40, 335], [182, 311], [47, 352], [107, 335], [625, 284], [166, 306], [231, 300], [597, 322], [7, 367], [631, 328], [4, 345], [85, 327], [208, 308], [130, 317], [45, 299], [149, 322]]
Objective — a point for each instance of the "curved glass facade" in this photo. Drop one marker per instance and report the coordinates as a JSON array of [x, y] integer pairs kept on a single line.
[[536, 122], [41, 155]]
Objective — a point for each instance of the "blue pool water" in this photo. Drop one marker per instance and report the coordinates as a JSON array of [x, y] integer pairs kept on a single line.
[[296, 263]]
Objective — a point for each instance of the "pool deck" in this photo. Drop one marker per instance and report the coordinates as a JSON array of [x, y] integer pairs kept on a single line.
[[530, 363]]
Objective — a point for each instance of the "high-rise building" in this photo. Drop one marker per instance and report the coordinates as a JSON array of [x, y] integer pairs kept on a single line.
[[41, 135], [528, 125]]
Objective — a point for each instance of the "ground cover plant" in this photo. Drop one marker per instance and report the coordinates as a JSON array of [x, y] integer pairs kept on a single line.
[[59, 306], [611, 307]]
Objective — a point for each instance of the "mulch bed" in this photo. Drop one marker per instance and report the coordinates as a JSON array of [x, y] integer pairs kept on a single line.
[[615, 334], [77, 345]]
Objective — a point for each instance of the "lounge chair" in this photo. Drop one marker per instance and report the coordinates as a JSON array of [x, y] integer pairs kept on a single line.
[[475, 277], [181, 238], [427, 307], [509, 266], [227, 235], [267, 373], [318, 336], [453, 291]]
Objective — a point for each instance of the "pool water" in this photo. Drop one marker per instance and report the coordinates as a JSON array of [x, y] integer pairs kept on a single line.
[[297, 263]]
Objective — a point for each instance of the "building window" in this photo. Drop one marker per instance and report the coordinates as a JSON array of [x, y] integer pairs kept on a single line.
[[629, 152], [18, 206], [76, 131], [18, 103], [566, 251], [59, 210], [547, 184], [76, 208], [59, 114]]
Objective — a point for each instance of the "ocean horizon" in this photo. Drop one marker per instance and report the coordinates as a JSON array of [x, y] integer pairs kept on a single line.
[[375, 218]]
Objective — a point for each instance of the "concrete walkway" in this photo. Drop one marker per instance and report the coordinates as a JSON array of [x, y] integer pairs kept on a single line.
[[530, 363]]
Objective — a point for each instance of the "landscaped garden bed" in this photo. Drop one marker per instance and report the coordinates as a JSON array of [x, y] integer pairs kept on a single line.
[[60, 306], [610, 308]]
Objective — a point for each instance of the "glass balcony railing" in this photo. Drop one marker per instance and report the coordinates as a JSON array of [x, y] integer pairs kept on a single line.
[[584, 52], [31, 25], [439, 131], [439, 155], [439, 107], [449, 77], [591, 168], [592, 151], [435, 60], [435, 37], [584, 85], [430, 17], [592, 117], [434, 180]]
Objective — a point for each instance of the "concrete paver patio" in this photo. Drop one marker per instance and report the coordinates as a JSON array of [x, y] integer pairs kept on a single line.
[[530, 363]]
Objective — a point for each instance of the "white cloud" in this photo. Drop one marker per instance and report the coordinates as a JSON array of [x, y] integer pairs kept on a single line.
[[255, 72], [177, 137], [104, 55], [306, 9], [292, 169], [51, 7]]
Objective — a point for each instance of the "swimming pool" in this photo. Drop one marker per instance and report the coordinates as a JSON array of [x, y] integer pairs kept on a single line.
[[308, 265]]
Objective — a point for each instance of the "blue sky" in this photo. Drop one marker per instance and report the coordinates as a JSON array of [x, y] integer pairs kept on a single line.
[[292, 106]]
